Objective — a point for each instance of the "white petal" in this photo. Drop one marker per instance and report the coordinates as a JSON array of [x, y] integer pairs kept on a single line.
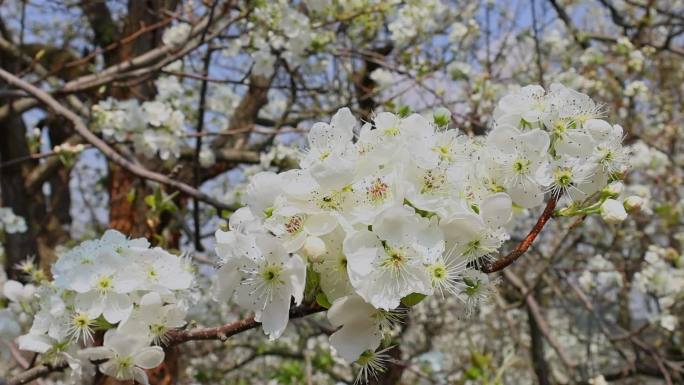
[[395, 224], [344, 122], [140, 376], [97, 353], [13, 290], [149, 357], [117, 308], [226, 280], [575, 144], [386, 120], [526, 194], [151, 299], [297, 277], [321, 138], [537, 140], [462, 228], [275, 316], [122, 344], [35, 343], [496, 209], [355, 338], [320, 224], [349, 309], [361, 249], [504, 137], [91, 302]]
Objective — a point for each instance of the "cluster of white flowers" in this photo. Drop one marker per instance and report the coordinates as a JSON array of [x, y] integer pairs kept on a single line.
[[134, 292], [600, 276], [19, 304], [663, 277], [649, 159], [155, 127], [416, 18], [177, 34], [283, 29], [381, 215], [11, 223]]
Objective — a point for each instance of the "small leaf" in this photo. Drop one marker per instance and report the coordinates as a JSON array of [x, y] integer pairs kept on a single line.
[[412, 299]]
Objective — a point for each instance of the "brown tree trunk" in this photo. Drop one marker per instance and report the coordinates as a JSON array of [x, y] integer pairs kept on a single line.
[[127, 210], [14, 195]]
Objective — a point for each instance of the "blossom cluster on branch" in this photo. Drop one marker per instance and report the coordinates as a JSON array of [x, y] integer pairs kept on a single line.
[[379, 216], [133, 293], [382, 214]]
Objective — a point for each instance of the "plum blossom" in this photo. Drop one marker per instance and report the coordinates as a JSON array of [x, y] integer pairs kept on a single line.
[[126, 356]]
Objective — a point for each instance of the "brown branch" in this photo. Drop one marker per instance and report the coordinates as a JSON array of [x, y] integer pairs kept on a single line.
[[222, 332], [504, 261], [36, 372], [109, 152]]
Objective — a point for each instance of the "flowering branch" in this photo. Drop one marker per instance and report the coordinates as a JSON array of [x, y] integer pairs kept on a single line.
[[505, 261], [109, 152], [177, 337]]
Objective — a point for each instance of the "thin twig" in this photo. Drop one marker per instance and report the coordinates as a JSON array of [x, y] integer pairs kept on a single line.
[[504, 261]]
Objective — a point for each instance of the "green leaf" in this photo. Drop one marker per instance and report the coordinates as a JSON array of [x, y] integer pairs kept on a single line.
[[412, 299]]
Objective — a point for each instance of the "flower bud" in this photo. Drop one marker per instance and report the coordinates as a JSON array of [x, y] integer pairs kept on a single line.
[[314, 247], [441, 116], [612, 211], [615, 188], [633, 203]]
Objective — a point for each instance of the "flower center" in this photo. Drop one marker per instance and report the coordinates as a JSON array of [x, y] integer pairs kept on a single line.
[[377, 191], [152, 274], [563, 177], [104, 284], [521, 166], [438, 272], [392, 131], [271, 273], [396, 258], [432, 181], [123, 364], [157, 329], [443, 152], [294, 225]]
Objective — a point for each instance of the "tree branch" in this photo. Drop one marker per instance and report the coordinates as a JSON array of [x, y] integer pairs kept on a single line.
[[504, 261], [230, 329], [35, 372]]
